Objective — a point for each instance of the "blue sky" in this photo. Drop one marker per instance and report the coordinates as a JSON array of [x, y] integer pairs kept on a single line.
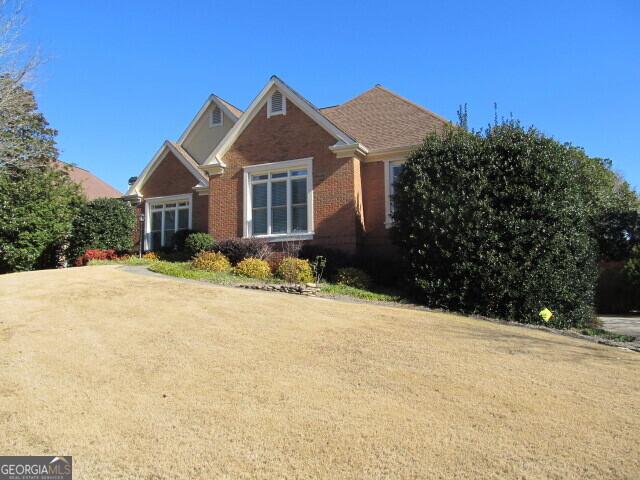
[[122, 76]]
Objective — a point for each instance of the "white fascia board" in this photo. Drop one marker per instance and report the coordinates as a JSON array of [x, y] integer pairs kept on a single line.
[[349, 150], [215, 158]]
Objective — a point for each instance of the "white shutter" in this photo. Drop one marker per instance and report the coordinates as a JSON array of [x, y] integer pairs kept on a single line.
[[276, 102], [216, 117]]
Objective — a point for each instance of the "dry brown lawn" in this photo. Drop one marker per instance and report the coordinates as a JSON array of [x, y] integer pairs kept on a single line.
[[154, 378]]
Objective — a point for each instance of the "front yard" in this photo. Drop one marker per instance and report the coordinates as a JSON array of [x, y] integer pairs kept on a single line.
[[145, 377]]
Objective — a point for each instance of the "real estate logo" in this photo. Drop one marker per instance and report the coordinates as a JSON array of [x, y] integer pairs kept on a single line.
[[36, 468]]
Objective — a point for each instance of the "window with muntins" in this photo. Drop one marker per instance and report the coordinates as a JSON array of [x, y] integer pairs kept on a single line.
[[279, 202], [165, 219]]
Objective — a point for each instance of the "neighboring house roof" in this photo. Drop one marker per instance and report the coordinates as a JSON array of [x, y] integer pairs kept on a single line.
[[181, 154], [381, 119], [92, 186]]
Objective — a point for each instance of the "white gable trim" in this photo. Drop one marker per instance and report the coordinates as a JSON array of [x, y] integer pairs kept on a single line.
[[160, 155], [212, 99], [215, 158]]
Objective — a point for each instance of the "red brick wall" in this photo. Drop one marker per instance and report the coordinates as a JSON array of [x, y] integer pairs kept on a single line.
[[280, 138], [376, 236], [171, 177]]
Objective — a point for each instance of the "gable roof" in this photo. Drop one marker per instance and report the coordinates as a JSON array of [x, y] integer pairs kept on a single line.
[[235, 110], [274, 83], [92, 186], [381, 119], [181, 154], [225, 106]]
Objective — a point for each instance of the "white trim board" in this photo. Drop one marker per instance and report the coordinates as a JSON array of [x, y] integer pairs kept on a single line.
[[388, 221], [274, 167], [149, 202], [215, 158]]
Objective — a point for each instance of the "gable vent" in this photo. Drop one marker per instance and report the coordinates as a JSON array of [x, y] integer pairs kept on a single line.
[[276, 103], [216, 117]]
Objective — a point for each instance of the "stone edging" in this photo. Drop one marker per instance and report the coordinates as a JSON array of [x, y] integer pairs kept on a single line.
[[309, 289]]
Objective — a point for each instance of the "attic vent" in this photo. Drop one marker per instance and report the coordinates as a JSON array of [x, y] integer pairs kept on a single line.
[[216, 117], [277, 105]]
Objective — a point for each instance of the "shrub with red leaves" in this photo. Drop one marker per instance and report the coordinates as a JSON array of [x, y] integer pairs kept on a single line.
[[95, 255]]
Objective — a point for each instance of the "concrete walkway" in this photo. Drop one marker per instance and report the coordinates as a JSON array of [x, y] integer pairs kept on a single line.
[[623, 324]]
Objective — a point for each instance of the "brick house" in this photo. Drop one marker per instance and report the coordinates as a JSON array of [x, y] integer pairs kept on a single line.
[[284, 170]]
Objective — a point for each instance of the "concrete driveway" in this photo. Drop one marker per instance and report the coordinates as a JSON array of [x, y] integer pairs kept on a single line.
[[623, 324]]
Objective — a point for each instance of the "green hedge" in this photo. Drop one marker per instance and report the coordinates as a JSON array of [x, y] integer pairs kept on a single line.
[[494, 223], [104, 223]]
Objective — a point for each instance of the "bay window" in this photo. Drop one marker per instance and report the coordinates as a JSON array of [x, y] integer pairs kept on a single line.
[[278, 200], [164, 217]]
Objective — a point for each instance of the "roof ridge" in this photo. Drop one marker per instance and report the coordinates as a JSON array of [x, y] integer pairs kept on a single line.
[[354, 98], [305, 99], [409, 102], [227, 102]]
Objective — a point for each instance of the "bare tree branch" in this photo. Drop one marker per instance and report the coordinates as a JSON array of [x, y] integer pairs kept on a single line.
[[19, 119]]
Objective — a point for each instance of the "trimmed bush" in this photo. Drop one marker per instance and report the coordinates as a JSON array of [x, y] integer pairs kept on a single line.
[[103, 224], [198, 242], [295, 270], [211, 262], [238, 249], [495, 223], [180, 237], [253, 268], [95, 254], [353, 277]]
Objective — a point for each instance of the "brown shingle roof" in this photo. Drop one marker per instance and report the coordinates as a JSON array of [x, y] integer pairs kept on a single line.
[[381, 119], [235, 110], [185, 154], [92, 186]]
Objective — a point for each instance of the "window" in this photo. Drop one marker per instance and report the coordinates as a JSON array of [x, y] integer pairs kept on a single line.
[[216, 118], [277, 104], [165, 217], [392, 170], [278, 199]]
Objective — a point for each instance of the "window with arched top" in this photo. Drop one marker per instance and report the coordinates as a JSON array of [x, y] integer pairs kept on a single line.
[[277, 104]]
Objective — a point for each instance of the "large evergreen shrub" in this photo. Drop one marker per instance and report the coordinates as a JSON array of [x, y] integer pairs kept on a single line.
[[38, 200], [105, 224], [37, 207], [495, 223]]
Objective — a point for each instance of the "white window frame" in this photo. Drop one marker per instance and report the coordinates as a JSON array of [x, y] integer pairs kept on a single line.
[[388, 188], [284, 105], [275, 167], [153, 201], [211, 122]]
